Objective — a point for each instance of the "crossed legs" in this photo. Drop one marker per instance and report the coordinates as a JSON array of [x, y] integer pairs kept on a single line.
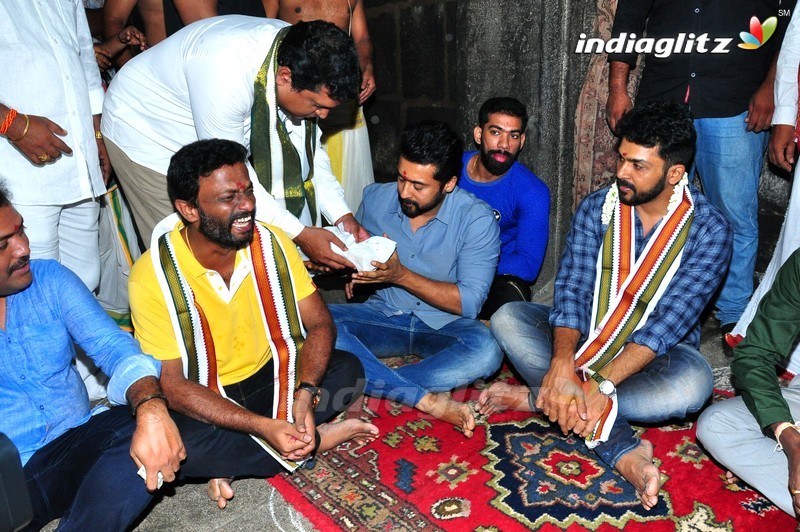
[[671, 386]]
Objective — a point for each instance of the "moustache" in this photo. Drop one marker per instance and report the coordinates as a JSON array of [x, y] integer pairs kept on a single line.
[[501, 152], [21, 263], [625, 183]]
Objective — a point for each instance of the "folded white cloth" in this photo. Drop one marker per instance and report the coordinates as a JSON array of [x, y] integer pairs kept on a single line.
[[361, 254]]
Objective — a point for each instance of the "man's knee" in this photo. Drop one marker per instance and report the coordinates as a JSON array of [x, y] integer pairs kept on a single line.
[[719, 423]]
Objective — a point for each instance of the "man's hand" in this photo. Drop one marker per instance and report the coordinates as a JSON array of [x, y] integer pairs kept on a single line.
[[367, 85], [40, 144], [595, 406], [102, 56], [131, 36], [284, 438], [760, 109], [156, 443], [316, 244], [561, 396], [782, 146], [303, 415], [790, 441], [391, 272], [105, 162], [617, 105], [349, 223]]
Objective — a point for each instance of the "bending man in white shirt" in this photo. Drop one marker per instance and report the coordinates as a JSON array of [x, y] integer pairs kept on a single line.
[[256, 81]]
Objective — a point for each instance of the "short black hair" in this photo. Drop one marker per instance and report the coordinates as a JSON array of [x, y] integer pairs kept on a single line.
[[433, 142], [321, 55], [5, 195], [503, 105], [666, 125], [196, 160]]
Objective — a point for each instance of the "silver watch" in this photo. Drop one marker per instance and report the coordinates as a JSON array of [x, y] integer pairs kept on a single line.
[[606, 387]]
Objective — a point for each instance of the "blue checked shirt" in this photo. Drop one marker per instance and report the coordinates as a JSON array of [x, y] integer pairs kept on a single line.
[[41, 393], [675, 318]]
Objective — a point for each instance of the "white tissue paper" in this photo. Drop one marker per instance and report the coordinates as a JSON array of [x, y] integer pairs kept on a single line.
[[375, 248]]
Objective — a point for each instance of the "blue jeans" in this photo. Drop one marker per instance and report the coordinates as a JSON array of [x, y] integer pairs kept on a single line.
[[670, 386], [87, 477], [455, 355], [729, 161]]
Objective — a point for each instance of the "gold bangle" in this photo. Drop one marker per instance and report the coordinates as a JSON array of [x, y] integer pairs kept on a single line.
[[98, 135], [24, 131]]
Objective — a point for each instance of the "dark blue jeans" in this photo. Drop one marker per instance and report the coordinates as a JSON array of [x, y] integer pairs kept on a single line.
[[87, 477], [213, 451]]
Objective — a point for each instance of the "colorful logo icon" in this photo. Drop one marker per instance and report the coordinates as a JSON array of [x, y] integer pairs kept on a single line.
[[759, 33]]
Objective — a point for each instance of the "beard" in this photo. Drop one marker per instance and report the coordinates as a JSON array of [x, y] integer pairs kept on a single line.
[[221, 231], [412, 209], [645, 196], [494, 166]]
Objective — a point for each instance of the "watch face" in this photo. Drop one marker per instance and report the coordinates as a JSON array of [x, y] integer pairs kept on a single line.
[[607, 387]]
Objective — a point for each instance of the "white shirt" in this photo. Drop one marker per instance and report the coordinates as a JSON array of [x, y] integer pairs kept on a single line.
[[198, 84], [786, 75], [49, 70]]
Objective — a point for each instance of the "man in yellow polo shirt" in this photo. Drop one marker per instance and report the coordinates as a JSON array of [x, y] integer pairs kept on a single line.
[[245, 339]]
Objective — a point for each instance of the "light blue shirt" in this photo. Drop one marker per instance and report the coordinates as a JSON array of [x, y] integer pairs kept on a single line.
[[460, 245], [41, 393]]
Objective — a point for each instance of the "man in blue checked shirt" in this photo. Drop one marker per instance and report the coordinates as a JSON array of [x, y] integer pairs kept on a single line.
[[432, 287], [80, 465], [642, 259]]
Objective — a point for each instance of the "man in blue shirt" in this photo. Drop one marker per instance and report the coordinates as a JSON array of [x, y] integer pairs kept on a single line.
[[432, 287], [80, 464], [519, 199], [642, 259]]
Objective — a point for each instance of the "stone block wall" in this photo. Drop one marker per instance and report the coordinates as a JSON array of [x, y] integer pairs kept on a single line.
[[441, 59], [416, 62]]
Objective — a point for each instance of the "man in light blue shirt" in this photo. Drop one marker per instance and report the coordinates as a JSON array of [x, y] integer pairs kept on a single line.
[[80, 464], [432, 287]]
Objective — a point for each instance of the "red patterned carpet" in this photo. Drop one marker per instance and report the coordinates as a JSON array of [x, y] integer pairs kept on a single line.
[[516, 473]]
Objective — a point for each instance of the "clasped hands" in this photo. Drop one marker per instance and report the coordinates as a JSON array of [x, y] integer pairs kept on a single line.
[[294, 441], [575, 405]]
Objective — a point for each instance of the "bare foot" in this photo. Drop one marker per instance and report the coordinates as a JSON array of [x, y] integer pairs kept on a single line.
[[220, 490], [442, 406], [637, 467], [333, 434], [730, 478], [501, 396]]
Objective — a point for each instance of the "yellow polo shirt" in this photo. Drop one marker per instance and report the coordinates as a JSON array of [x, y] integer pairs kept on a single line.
[[233, 313]]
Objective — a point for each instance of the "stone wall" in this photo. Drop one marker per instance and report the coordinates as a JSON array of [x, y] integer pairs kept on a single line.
[[442, 58], [416, 62]]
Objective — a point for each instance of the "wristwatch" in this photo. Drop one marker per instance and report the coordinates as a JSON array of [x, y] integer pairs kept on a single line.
[[315, 392], [606, 387]]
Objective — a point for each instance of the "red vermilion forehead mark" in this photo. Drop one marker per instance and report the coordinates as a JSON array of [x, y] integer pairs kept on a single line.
[[240, 186], [405, 174], [624, 154], [17, 228]]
